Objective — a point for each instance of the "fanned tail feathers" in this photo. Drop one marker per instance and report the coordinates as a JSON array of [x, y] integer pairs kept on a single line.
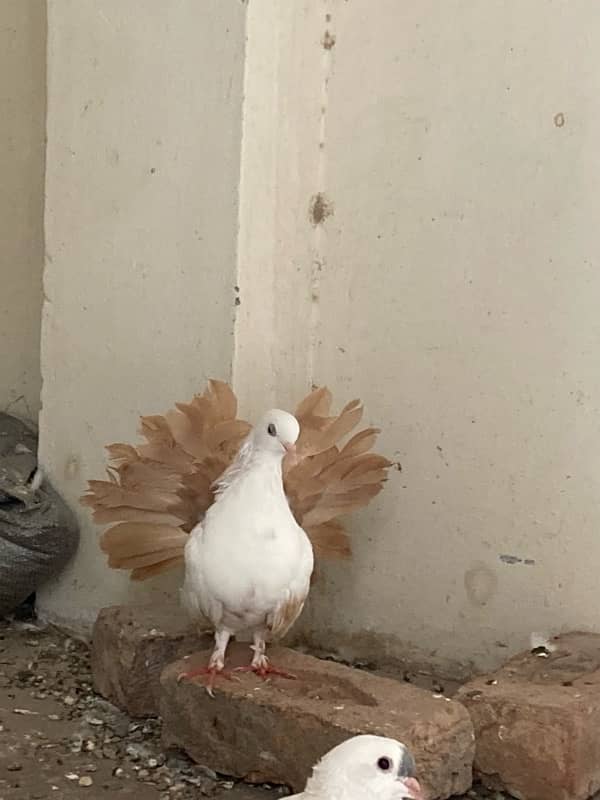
[[159, 490], [329, 480], [156, 492]]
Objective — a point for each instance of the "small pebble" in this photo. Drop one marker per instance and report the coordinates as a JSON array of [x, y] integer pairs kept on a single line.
[[85, 780]]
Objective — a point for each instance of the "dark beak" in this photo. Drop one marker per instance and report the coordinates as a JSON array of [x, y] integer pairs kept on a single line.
[[407, 767]]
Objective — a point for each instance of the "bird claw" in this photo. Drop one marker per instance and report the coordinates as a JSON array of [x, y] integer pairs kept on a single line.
[[212, 673], [265, 670]]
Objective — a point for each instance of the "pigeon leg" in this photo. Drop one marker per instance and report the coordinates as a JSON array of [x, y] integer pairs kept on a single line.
[[260, 663], [216, 665]]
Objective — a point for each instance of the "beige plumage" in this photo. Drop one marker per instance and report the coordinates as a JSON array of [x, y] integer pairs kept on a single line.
[[156, 492]]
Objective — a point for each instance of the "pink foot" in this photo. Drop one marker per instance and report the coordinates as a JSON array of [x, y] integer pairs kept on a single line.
[[212, 673], [264, 670]]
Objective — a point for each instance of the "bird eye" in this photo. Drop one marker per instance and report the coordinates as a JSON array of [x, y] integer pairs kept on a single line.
[[384, 763], [272, 430]]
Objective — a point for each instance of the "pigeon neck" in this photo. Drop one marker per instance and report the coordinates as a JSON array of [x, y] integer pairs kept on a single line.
[[263, 464], [319, 786], [267, 462], [341, 789], [265, 470]]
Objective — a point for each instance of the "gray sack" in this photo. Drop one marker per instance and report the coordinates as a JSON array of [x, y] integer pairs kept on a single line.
[[38, 531]]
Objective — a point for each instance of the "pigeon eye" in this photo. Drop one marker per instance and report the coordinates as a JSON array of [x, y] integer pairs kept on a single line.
[[272, 430], [384, 764]]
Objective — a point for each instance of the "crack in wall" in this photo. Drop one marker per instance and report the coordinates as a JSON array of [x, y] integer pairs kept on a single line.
[[321, 206]]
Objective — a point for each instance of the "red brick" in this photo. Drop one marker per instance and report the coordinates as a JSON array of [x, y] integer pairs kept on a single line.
[[275, 731], [537, 722], [131, 645]]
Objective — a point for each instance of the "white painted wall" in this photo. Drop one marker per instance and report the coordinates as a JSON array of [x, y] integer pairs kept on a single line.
[[454, 288], [462, 264], [144, 106], [22, 109]]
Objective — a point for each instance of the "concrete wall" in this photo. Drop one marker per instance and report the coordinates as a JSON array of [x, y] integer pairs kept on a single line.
[[454, 288], [462, 264], [22, 110], [144, 108], [417, 227]]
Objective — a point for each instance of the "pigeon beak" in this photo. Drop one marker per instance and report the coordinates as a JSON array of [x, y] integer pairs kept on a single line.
[[413, 788], [291, 456]]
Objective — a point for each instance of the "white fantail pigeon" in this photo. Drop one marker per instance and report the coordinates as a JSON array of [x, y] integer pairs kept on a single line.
[[364, 768], [201, 473], [157, 491], [248, 563]]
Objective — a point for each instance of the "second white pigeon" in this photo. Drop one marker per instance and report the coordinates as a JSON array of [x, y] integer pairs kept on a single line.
[[248, 563], [364, 768]]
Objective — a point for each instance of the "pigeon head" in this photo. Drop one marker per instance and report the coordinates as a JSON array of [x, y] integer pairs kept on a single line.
[[367, 767], [277, 432]]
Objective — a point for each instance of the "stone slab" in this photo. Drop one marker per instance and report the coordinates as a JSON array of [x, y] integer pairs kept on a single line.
[[537, 721], [131, 645], [275, 731]]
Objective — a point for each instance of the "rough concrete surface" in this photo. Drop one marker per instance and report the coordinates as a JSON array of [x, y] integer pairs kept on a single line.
[[275, 731], [537, 721], [66, 733], [59, 740], [131, 645]]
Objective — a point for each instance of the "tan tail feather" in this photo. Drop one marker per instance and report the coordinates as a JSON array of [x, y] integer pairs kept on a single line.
[[224, 399], [330, 540], [162, 446], [360, 443], [103, 494], [143, 573], [138, 538], [332, 506], [102, 516], [353, 467], [342, 426], [317, 403], [120, 454], [145, 560], [186, 432]]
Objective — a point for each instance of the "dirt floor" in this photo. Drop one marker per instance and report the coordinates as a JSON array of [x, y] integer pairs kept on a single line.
[[60, 740]]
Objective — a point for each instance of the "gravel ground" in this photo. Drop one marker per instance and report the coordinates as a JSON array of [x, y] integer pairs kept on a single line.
[[60, 740]]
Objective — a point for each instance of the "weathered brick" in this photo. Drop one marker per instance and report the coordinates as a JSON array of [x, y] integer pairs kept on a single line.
[[537, 722], [275, 731], [131, 645]]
